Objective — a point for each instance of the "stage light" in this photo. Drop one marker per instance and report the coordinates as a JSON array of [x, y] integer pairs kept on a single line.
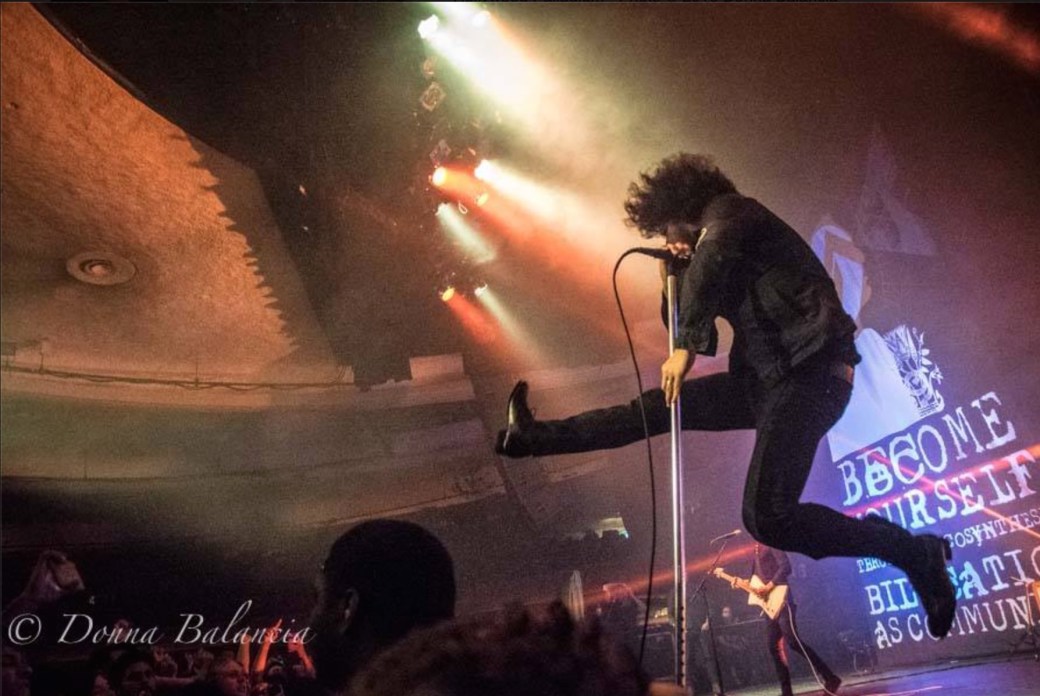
[[433, 96], [440, 153], [429, 68], [439, 176], [428, 27], [483, 170], [483, 198], [448, 293], [479, 291], [495, 63], [457, 10], [552, 114]]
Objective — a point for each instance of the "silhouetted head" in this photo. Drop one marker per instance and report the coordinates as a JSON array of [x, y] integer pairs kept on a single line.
[[381, 579]]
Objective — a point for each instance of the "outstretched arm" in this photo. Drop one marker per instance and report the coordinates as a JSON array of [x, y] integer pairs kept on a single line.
[[265, 647], [243, 652], [296, 646]]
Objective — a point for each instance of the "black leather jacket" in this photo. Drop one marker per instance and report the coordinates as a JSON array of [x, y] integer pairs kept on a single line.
[[753, 270]]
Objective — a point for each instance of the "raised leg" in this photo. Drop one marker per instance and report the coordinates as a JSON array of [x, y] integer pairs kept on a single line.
[[792, 419], [712, 402]]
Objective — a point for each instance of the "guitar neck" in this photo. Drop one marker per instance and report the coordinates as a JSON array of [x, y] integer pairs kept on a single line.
[[771, 603], [739, 582]]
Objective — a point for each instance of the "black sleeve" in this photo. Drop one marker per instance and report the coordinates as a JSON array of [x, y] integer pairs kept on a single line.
[[680, 275], [726, 224]]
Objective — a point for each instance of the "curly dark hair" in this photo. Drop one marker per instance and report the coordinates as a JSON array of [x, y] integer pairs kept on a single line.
[[679, 189], [517, 655]]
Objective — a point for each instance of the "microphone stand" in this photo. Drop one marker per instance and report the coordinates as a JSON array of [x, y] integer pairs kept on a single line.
[[707, 618], [678, 526]]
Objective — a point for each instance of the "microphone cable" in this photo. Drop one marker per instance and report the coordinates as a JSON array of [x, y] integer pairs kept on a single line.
[[649, 457], [801, 645]]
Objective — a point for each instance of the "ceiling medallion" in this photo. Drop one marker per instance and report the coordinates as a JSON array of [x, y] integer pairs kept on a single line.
[[100, 268]]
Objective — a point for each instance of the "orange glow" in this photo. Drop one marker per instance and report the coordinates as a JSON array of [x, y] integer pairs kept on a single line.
[[663, 579], [556, 246], [549, 224], [586, 277], [928, 485], [476, 322], [457, 182], [539, 245], [520, 345], [985, 26]]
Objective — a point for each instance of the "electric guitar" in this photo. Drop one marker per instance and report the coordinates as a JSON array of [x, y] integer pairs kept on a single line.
[[771, 604]]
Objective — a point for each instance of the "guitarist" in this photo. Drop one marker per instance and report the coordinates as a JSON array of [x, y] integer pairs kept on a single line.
[[773, 567]]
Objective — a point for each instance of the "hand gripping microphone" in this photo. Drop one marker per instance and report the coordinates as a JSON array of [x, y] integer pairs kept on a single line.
[[676, 264]]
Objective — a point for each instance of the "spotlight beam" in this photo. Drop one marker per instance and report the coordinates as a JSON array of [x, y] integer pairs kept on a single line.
[[453, 223]]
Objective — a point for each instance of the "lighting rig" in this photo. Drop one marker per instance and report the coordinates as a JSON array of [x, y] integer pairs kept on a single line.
[[456, 132]]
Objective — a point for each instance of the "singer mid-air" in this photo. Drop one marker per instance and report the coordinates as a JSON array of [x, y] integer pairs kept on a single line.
[[789, 379]]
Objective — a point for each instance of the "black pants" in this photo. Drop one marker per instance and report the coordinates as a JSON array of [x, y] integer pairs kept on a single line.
[[782, 637], [790, 418]]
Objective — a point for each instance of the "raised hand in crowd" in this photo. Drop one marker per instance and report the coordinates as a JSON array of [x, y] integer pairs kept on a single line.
[[296, 647], [54, 576]]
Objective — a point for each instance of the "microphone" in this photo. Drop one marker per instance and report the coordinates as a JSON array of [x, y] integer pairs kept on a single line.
[[727, 535], [662, 254]]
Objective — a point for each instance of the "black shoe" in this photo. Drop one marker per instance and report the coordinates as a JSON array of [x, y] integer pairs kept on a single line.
[[929, 577], [832, 684], [518, 418], [932, 583]]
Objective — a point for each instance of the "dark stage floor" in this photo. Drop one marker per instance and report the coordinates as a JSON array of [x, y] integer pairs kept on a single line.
[[1019, 676]]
